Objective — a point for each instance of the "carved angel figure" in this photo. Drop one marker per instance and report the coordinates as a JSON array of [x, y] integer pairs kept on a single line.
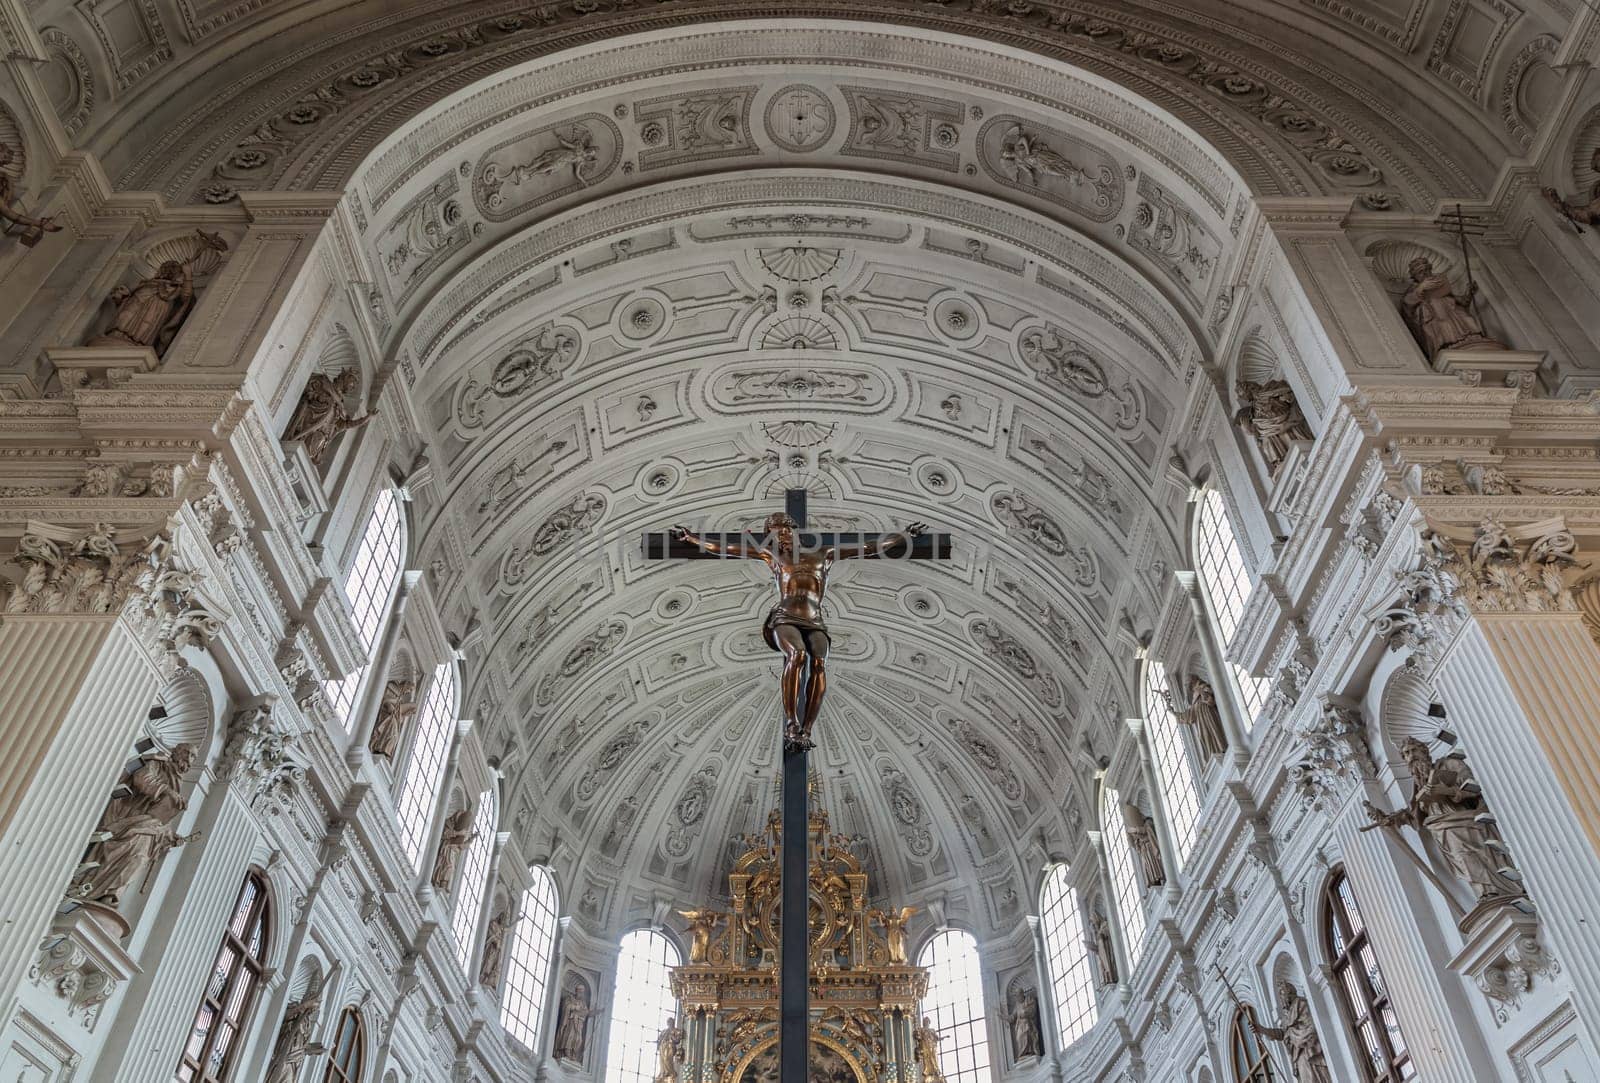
[[33, 229], [153, 309], [1447, 805], [1438, 318], [702, 923], [1299, 1036], [576, 152], [137, 828], [1269, 413], [322, 414], [1146, 847], [1580, 214], [894, 929], [457, 836], [396, 708], [294, 1036], [1028, 156]]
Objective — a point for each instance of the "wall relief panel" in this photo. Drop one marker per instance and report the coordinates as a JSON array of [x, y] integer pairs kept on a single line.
[[556, 160], [695, 127], [903, 127], [1052, 165]]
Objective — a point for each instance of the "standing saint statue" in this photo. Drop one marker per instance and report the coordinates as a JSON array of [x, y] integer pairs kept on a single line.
[[33, 229], [1438, 318], [294, 1036], [1299, 1036], [669, 1051], [926, 1041], [494, 947], [1447, 805], [1580, 214], [457, 836], [1202, 718], [1269, 413], [1098, 942], [1026, 1033], [1146, 847], [572, 1023], [150, 313], [137, 828], [794, 626], [397, 706], [322, 414]]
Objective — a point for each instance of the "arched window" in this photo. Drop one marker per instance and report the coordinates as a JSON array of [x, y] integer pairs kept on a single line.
[[1363, 996], [955, 1001], [369, 585], [1071, 983], [528, 974], [474, 879], [1119, 860], [349, 1054], [230, 992], [1172, 763], [425, 769], [1226, 585], [1251, 1062], [642, 1003]]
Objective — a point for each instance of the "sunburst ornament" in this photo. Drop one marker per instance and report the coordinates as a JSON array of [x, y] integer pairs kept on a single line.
[[799, 262]]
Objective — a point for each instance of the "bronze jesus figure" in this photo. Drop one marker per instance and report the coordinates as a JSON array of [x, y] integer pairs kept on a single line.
[[794, 626]]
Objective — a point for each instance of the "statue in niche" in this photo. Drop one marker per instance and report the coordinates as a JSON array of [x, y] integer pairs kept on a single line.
[[151, 312], [33, 229], [1146, 847], [1026, 1031], [136, 830], [1098, 942], [457, 836], [1447, 805], [1202, 718], [1299, 1036], [322, 414], [1438, 318], [1579, 214], [394, 711], [572, 1022], [926, 1041], [494, 947], [702, 923], [294, 1036], [1270, 415], [669, 1051], [894, 929]]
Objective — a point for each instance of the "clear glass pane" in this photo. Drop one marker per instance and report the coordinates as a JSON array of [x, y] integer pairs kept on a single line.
[[955, 1004], [1226, 583], [368, 586], [1172, 762], [528, 970], [1071, 978], [1119, 857], [474, 879], [642, 1003], [425, 771]]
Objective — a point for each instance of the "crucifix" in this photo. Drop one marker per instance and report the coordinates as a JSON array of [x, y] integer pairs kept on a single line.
[[800, 560]]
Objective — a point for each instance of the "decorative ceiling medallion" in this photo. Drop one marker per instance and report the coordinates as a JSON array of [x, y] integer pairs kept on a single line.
[[800, 118], [798, 262], [799, 433], [799, 333]]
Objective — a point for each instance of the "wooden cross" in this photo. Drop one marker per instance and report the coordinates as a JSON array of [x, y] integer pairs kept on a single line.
[[794, 968]]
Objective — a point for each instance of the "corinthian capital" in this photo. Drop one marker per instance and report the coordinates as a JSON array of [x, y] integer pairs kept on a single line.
[[1523, 569]]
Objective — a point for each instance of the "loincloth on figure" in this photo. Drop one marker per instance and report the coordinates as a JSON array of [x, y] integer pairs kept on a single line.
[[778, 616]]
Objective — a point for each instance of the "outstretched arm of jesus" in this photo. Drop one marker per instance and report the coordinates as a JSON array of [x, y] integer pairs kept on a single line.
[[880, 543], [737, 549]]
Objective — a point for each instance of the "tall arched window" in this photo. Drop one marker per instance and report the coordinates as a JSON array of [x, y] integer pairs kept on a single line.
[[642, 1003], [1071, 982], [1251, 1061], [528, 972], [349, 1054], [1172, 762], [425, 769], [1226, 585], [474, 879], [369, 586], [214, 1039], [1119, 861], [955, 1001], [1363, 996]]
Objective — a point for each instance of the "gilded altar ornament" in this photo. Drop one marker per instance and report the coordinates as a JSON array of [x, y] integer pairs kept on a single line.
[[927, 1046], [1299, 1036], [894, 929], [136, 830], [1579, 214], [1438, 318], [322, 413], [702, 923], [289, 1052], [794, 626], [1447, 806], [33, 229], [669, 1051], [153, 309], [1270, 415]]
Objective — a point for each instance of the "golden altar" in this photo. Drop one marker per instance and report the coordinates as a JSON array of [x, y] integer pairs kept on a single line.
[[864, 993]]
